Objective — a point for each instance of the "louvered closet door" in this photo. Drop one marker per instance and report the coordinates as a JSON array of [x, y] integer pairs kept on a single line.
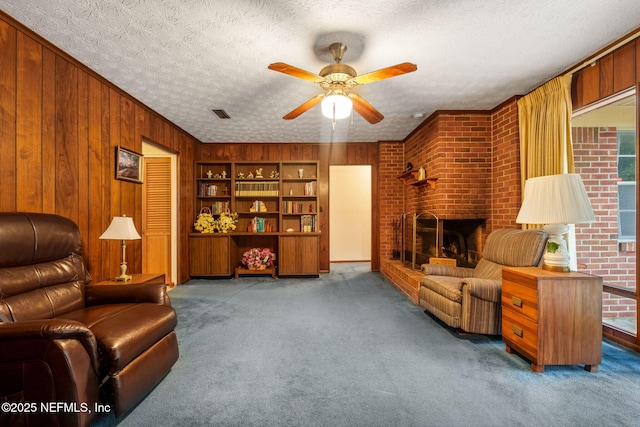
[[156, 224]]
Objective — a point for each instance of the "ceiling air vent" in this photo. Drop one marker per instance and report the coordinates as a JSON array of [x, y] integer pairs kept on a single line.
[[221, 114]]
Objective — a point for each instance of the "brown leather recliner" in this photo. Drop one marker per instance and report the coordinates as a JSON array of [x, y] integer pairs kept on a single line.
[[67, 344]]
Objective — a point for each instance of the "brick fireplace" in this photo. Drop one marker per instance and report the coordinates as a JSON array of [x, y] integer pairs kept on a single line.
[[458, 154], [473, 158]]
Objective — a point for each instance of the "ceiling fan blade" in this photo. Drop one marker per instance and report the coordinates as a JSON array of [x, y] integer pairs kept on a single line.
[[365, 109], [304, 107], [385, 73], [295, 72]]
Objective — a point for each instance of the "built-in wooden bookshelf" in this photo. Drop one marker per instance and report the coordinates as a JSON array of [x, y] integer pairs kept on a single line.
[[277, 207]]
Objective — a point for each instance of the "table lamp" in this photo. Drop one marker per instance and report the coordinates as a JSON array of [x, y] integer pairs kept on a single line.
[[122, 228], [555, 201]]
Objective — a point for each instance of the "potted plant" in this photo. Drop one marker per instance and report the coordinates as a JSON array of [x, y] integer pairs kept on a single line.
[[257, 259]]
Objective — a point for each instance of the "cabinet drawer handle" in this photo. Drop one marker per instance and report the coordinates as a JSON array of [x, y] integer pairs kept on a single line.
[[516, 301], [517, 331]]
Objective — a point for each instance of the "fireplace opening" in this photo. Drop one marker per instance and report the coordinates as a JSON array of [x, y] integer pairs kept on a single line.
[[426, 236], [462, 240]]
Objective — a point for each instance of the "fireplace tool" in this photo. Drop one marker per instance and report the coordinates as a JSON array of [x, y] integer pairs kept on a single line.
[[396, 239]]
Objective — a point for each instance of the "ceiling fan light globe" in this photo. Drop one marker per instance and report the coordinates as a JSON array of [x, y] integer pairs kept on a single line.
[[342, 108]]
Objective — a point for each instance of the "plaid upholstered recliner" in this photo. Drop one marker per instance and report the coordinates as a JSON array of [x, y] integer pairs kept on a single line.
[[469, 298]]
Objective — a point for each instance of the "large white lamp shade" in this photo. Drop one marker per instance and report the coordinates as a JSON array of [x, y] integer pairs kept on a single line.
[[556, 201]]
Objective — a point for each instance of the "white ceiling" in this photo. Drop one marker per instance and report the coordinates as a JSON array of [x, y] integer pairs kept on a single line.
[[185, 57]]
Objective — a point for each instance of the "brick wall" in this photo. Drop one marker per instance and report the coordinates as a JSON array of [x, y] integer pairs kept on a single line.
[[476, 158], [455, 148], [390, 193], [597, 246], [506, 194]]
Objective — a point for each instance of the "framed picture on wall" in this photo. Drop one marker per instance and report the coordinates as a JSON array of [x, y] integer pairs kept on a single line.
[[128, 165]]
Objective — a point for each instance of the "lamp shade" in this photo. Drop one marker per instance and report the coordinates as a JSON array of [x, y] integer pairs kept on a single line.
[[555, 199], [121, 228], [336, 106]]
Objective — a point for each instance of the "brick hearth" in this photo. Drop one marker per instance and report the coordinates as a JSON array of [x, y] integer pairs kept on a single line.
[[404, 279]]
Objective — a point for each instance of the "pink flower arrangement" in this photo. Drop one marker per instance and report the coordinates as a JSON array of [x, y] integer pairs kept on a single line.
[[256, 257]]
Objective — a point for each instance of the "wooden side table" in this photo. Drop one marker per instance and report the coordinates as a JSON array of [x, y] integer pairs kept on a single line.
[[246, 272], [135, 280], [552, 318]]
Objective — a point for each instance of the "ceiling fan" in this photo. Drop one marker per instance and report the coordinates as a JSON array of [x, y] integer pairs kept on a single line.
[[337, 80]]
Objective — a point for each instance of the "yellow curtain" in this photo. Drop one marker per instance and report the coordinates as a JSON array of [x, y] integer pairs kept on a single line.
[[544, 117]]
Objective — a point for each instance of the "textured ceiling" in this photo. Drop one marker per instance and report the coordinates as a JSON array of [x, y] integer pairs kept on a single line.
[[184, 58]]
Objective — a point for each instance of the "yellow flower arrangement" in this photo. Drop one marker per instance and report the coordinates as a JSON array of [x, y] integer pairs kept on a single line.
[[226, 222], [206, 223]]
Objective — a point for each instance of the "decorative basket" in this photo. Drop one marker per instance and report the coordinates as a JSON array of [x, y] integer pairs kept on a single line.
[[205, 221], [257, 259]]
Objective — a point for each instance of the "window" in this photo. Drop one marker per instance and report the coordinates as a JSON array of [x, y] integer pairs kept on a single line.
[[626, 185], [605, 150]]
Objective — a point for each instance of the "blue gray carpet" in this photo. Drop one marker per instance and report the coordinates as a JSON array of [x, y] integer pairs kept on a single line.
[[348, 349]]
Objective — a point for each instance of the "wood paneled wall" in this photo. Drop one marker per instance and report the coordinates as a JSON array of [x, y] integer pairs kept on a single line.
[[613, 73], [59, 126], [327, 155]]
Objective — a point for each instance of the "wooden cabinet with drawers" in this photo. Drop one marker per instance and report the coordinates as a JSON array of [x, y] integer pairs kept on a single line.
[[552, 318]]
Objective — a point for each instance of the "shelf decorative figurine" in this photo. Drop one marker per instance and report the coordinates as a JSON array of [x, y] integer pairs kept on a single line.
[[257, 259], [258, 206]]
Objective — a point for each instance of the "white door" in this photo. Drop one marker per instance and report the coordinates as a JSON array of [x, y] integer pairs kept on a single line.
[[349, 213]]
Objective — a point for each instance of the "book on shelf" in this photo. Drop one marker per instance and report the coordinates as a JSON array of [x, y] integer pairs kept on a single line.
[[258, 206], [253, 188], [291, 207], [259, 225], [206, 189], [310, 188], [308, 223], [219, 206]]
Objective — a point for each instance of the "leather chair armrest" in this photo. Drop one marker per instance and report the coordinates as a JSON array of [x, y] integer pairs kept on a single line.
[[446, 270], [51, 329], [136, 293], [485, 289]]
